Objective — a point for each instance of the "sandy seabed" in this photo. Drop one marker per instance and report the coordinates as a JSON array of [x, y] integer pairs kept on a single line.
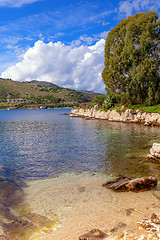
[[82, 204]]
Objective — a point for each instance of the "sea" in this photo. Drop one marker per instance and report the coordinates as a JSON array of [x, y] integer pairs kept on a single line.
[[52, 167]]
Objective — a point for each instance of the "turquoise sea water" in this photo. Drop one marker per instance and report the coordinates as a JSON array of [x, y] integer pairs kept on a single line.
[[46, 142]]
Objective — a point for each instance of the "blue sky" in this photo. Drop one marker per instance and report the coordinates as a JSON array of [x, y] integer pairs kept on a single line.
[[60, 41]]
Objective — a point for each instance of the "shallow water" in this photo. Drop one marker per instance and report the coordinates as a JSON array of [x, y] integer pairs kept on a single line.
[[82, 204], [54, 166]]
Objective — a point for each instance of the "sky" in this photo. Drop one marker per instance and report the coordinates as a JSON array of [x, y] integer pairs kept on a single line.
[[60, 41]]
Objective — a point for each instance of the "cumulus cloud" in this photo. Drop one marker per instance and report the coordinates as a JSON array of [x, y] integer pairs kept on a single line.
[[68, 66], [16, 3], [128, 7]]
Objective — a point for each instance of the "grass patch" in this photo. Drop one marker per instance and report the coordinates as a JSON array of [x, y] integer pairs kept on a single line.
[[143, 108], [148, 109], [119, 108], [3, 104]]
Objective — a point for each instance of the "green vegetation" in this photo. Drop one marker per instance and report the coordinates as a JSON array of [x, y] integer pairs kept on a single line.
[[149, 109], [132, 65], [106, 102], [3, 94], [132, 60], [36, 94]]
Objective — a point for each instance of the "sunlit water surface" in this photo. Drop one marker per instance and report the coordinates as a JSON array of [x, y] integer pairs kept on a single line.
[[37, 145], [44, 143]]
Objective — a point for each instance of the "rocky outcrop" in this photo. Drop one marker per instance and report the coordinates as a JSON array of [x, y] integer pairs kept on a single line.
[[154, 152], [131, 184], [152, 226], [148, 119]]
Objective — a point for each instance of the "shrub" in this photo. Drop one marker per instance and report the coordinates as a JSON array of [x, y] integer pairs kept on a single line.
[[108, 102]]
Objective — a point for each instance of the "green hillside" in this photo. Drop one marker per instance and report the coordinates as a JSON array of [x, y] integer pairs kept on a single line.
[[31, 94]]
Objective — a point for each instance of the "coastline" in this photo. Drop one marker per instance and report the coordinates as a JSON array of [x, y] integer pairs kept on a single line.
[[127, 116], [36, 106]]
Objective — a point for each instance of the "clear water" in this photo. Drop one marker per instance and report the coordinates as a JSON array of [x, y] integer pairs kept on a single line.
[[52, 168], [46, 142]]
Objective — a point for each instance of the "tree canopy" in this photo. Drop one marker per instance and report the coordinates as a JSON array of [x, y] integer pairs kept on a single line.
[[132, 59]]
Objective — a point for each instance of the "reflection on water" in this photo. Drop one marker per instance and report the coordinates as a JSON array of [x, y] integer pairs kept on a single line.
[[44, 143], [40, 144]]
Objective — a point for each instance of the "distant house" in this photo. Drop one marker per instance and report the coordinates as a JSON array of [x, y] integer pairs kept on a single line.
[[16, 100]]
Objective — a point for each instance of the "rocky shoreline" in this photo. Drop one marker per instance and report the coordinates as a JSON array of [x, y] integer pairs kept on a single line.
[[150, 225], [129, 116], [147, 229]]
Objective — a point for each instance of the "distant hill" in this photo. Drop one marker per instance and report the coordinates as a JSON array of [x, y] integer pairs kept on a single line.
[[43, 83], [88, 92], [40, 92]]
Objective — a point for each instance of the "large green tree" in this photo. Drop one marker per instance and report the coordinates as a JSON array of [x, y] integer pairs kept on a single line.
[[132, 59]]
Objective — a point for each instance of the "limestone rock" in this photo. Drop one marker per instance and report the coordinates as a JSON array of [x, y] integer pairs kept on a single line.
[[155, 151], [114, 115], [129, 114], [131, 184], [148, 119]]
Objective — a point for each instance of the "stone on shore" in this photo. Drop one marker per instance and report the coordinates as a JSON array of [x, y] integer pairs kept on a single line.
[[152, 226], [154, 152], [131, 184]]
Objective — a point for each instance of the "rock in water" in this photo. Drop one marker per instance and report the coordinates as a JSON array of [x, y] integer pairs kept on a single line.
[[154, 152], [94, 234], [131, 184]]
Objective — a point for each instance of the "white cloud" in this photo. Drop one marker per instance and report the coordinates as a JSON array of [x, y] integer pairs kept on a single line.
[[69, 66], [103, 34], [16, 3], [128, 7], [88, 40]]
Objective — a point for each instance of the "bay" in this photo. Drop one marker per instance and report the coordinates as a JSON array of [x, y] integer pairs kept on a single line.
[[45, 142], [52, 168]]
